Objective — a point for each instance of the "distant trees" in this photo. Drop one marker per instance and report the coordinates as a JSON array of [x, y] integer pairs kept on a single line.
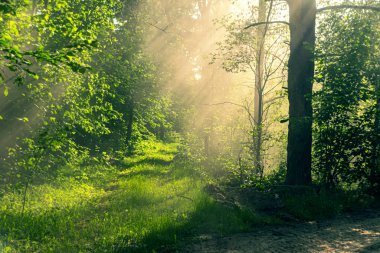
[[183, 33], [135, 88], [260, 53]]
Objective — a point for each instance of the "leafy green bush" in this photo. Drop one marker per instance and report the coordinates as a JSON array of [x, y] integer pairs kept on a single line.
[[345, 102]]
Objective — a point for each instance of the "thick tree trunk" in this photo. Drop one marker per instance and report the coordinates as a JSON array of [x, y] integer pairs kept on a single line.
[[259, 77], [300, 79], [377, 129], [375, 170]]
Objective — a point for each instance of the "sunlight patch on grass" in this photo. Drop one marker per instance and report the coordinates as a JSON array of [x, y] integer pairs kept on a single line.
[[46, 197]]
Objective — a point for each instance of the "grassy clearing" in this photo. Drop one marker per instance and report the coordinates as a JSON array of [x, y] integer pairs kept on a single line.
[[148, 204]]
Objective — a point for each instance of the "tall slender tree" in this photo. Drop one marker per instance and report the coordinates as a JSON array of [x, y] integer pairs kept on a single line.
[[259, 76], [259, 53]]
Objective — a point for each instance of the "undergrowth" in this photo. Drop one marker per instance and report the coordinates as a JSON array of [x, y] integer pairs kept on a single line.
[[311, 203], [148, 203]]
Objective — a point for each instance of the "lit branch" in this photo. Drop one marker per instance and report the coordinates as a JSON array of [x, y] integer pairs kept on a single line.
[[357, 7], [266, 23], [226, 103], [159, 28]]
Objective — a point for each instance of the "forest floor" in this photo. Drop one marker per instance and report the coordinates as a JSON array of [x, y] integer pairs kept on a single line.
[[149, 202], [352, 232], [156, 201]]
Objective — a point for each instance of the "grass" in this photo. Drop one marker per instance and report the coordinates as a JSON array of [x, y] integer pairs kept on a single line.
[[147, 204], [150, 202]]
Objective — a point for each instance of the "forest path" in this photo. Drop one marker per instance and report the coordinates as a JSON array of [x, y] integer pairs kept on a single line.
[[355, 232]]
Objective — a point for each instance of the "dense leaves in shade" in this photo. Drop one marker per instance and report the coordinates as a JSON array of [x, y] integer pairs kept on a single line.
[[82, 65], [345, 104]]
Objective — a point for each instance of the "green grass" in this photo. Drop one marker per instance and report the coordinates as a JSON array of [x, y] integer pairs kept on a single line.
[[147, 204], [150, 202]]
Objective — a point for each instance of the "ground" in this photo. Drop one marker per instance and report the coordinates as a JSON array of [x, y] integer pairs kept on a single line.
[[353, 232], [155, 202]]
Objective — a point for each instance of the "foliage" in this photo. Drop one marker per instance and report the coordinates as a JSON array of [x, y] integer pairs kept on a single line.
[[89, 115], [240, 52], [345, 104], [134, 82], [21, 49], [148, 203]]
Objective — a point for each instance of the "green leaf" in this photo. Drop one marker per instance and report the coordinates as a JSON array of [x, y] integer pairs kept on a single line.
[[25, 119], [6, 91]]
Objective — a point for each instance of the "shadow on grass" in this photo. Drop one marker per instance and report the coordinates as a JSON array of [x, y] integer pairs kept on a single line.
[[29, 232], [213, 221], [88, 226], [375, 247], [210, 219]]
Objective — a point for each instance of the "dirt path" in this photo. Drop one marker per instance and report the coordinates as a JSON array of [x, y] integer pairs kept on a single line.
[[357, 232]]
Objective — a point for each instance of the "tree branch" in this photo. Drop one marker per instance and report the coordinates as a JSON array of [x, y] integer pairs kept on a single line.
[[346, 6], [226, 103], [159, 28], [266, 23]]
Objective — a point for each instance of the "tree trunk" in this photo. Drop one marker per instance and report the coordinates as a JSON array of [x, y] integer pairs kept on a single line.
[[259, 77], [377, 128], [375, 170], [259, 169], [302, 15]]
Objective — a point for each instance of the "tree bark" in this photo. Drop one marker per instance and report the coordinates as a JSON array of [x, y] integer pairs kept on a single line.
[[302, 16], [375, 170], [258, 105]]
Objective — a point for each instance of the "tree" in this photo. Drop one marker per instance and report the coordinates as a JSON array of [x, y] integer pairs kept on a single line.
[[302, 21], [375, 172], [259, 85], [345, 103], [43, 55], [261, 54], [81, 115], [182, 26], [300, 79]]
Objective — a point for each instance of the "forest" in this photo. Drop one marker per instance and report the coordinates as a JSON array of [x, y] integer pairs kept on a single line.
[[189, 126]]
